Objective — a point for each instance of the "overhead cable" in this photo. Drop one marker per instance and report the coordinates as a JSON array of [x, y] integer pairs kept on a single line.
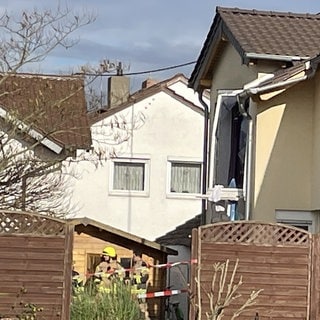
[[143, 72]]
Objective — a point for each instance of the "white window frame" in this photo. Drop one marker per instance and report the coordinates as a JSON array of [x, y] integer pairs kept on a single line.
[[137, 159], [297, 218], [221, 95], [187, 160]]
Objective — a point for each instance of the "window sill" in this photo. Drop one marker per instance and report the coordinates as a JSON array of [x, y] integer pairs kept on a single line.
[[118, 193], [184, 196]]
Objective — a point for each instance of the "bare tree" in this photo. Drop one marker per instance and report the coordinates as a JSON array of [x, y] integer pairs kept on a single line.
[[32, 36], [223, 292], [32, 113], [30, 178]]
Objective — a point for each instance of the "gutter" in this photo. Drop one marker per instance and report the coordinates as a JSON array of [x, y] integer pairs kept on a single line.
[[252, 55], [33, 133], [205, 157], [271, 87], [250, 91]]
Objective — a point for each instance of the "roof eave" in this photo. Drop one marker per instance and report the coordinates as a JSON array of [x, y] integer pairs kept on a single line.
[[199, 70], [249, 56], [263, 90], [80, 225], [219, 33]]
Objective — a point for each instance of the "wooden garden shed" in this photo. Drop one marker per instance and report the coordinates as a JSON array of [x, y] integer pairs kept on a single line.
[[36, 257], [281, 260], [92, 236]]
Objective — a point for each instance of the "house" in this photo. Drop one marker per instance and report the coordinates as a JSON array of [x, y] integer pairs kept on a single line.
[[262, 71], [43, 120], [150, 152], [50, 111]]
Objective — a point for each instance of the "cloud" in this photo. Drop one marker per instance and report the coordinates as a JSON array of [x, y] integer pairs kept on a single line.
[[145, 34]]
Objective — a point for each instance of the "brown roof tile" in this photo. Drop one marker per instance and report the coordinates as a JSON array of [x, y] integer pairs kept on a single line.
[[276, 33], [281, 36], [53, 105]]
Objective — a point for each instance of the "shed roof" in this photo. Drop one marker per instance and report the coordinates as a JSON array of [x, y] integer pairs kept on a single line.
[[181, 235], [119, 237], [53, 105], [280, 36]]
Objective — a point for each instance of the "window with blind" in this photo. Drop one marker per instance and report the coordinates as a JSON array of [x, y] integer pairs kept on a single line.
[[130, 176], [185, 177]]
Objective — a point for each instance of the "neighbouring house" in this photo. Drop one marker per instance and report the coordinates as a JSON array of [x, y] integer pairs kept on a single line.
[[43, 120], [262, 71], [50, 110], [150, 152]]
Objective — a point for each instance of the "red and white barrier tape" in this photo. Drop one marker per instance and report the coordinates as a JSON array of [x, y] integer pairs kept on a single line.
[[163, 265], [164, 293], [172, 264]]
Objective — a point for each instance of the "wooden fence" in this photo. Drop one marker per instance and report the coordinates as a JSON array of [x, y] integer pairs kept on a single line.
[[35, 265], [281, 260]]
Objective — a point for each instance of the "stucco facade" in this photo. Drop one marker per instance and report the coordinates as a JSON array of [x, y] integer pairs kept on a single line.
[[161, 127], [284, 175], [284, 152]]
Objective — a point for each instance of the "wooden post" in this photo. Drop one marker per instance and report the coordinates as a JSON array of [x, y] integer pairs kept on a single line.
[[315, 278]]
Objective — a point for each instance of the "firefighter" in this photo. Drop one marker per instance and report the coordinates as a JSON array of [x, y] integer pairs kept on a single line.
[[108, 269], [139, 280], [77, 282]]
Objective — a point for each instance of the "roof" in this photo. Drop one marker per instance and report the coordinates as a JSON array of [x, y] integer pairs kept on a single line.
[[276, 83], [144, 93], [181, 235], [280, 36], [55, 106], [107, 233]]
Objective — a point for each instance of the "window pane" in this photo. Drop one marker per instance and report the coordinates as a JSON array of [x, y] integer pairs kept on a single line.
[[185, 177], [128, 176]]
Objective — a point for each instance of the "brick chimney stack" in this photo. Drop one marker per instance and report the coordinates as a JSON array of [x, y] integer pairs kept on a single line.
[[118, 90], [148, 83]]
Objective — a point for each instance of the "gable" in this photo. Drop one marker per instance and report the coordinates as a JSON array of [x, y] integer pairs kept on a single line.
[[175, 87], [283, 38]]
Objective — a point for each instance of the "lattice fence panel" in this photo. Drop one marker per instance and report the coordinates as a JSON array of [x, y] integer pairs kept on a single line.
[[246, 232], [13, 222], [276, 258]]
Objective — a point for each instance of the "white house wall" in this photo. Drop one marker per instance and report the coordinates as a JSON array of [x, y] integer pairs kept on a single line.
[[171, 129], [180, 89]]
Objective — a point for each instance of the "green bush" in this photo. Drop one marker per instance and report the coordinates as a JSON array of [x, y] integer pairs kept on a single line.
[[115, 305]]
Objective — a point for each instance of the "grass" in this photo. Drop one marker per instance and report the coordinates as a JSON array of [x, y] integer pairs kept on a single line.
[[115, 305]]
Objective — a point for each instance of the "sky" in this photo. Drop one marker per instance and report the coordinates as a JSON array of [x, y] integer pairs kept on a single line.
[[144, 35]]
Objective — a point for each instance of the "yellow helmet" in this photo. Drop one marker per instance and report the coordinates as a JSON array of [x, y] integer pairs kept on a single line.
[[109, 251]]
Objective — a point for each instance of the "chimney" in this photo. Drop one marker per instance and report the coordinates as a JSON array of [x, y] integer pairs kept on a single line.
[[148, 83], [118, 90]]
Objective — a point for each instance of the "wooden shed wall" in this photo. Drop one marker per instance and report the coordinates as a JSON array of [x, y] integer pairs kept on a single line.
[[275, 258], [35, 265]]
